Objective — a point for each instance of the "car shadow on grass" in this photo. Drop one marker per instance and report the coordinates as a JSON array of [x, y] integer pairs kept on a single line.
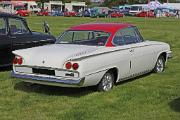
[[175, 104], [53, 90], [63, 91]]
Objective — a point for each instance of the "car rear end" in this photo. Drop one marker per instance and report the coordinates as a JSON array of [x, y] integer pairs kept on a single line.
[[67, 76], [51, 65]]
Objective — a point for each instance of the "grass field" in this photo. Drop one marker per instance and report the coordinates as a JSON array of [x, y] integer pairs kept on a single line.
[[152, 97]]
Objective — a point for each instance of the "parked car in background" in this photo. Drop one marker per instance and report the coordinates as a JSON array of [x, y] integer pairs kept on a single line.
[[116, 14], [100, 12], [136, 9], [57, 13], [85, 13], [70, 14], [123, 9], [22, 13], [100, 54], [145, 14], [43, 12], [79, 14], [15, 34]]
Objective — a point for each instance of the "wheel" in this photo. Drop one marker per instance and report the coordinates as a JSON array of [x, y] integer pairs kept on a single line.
[[160, 65], [107, 82]]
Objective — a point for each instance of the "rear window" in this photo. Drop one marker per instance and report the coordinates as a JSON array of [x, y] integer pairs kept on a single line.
[[96, 38]]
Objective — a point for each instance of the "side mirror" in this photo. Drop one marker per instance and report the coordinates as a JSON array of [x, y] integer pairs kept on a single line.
[[46, 27]]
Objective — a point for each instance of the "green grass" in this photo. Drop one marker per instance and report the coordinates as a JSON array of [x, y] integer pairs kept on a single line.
[[153, 97]]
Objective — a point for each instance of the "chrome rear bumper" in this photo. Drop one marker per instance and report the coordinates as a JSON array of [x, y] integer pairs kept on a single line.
[[49, 81]]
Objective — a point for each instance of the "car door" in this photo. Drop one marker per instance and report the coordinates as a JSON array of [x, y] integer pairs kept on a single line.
[[5, 44], [20, 35], [142, 56], [123, 55]]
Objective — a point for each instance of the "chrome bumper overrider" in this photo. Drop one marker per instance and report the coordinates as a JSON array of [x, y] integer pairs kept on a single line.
[[49, 80]]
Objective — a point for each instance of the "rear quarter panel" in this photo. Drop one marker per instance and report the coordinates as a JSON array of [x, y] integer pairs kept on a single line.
[[94, 67]]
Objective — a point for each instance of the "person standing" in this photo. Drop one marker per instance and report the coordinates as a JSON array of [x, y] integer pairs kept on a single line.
[[177, 13]]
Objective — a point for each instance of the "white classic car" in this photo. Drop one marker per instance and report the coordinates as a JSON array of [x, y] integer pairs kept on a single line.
[[91, 54]]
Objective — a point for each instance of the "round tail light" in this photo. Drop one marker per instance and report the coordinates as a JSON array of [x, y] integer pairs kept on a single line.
[[75, 66], [68, 65], [18, 60], [15, 60]]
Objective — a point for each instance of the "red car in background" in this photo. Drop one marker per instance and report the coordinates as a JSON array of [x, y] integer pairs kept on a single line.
[[70, 14], [116, 14], [43, 12], [145, 14], [23, 13]]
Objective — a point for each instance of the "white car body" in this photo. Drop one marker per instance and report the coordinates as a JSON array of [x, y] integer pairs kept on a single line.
[[94, 61]]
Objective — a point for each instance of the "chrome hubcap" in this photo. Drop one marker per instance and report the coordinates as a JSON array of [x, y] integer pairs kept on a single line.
[[160, 65], [107, 82]]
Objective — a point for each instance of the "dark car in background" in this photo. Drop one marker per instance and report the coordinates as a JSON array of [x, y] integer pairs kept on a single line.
[[84, 13], [57, 13], [15, 34]]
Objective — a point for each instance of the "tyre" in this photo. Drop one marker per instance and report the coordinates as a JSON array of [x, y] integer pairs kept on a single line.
[[160, 65], [107, 82]]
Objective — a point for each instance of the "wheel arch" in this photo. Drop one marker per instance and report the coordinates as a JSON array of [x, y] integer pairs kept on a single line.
[[164, 54], [114, 71]]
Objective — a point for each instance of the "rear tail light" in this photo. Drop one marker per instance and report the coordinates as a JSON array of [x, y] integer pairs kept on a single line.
[[18, 60], [68, 65], [15, 60], [75, 66]]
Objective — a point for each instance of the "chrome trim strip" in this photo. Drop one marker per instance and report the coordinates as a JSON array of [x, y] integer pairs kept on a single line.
[[58, 82], [93, 55]]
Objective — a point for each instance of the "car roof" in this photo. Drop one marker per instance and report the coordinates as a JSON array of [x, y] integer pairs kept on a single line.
[[106, 27], [2, 14]]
